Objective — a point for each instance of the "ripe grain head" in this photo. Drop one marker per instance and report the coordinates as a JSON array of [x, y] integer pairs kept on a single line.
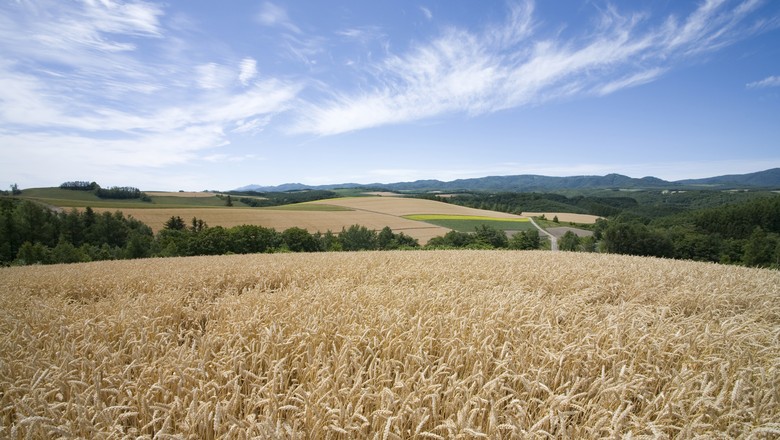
[[394, 344]]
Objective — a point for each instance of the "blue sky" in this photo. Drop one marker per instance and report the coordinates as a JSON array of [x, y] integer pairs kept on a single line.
[[199, 94]]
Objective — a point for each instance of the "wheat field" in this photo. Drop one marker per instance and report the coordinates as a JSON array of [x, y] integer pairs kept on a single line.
[[389, 345], [313, 221]]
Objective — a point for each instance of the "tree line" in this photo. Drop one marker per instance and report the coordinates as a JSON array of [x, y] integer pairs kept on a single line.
[[33, 234], [114, 192], [715, 226], [747, 233]]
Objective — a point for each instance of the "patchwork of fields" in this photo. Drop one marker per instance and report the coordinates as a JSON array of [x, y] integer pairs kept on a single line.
[[391, 345], [332, 214], [468, 223], [422, 219]]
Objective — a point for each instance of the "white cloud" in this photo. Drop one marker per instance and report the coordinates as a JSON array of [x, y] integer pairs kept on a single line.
[[770, 81], [631, 81], [273, 15], [427, 13], [74, 92], [248, 70], [213, 76], [511, 65]]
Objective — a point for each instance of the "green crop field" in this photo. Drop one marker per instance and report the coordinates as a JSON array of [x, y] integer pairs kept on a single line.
[[65, 198], [467, 223]]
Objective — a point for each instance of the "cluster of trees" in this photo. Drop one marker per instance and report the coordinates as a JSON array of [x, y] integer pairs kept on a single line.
[[122, 192], [745, 233], [717, 226], [516, 203], [114, 192], [32, 234], [261, 199], [77, 185], [13, 192], [197, 238], [487, 237], [606, 203]]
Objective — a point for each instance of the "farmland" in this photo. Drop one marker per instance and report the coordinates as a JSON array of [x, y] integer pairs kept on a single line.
[[565, 217], [468, 223], [330, 214], [472, 344]]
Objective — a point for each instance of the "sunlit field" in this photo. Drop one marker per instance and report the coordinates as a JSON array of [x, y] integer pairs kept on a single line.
[[390, 345]]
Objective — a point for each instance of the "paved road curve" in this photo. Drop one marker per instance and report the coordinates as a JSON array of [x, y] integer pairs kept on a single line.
[[553, 240]]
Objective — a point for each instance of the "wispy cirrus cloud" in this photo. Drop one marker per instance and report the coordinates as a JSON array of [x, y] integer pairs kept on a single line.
[[74, 85], [426, 13], [273, 15], [770, 81], [513, 64], [248, 70]]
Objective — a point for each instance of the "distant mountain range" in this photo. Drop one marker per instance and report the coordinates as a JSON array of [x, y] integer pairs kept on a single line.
[[769, 179]]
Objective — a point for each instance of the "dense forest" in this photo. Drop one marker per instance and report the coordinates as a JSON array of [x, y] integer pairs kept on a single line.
[[717, 226], [33, 234]]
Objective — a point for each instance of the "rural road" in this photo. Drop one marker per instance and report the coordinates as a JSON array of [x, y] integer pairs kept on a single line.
[[553, 240]]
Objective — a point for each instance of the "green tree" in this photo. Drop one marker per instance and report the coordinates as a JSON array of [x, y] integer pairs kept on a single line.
[[139, 245], [569, 241], [358, 238], [198, 225], [636, 239], [30, 253], [250, 239], [759, 249], [525, 240], [65, 252], [299, 240], [328, 241], [175, 223], [587, 244], [490, 236], [386, 239]]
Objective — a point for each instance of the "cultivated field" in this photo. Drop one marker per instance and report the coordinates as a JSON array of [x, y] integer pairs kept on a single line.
[[468, 223], [565, 217], [400, 206], [317, 219], [322, 215], [180, 194], [390, 345]]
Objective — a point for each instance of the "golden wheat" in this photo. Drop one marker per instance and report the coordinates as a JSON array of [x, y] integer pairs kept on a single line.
[[427, 345], [313, 221]]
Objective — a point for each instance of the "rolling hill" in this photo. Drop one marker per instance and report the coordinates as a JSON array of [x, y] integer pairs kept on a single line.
[[530, 182]]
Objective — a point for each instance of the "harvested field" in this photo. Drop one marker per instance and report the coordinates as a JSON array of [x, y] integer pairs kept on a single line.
[[180, 194], [281, 219], [383, 194], [565, 217], [400, 206], [426, 217], [390, 345]]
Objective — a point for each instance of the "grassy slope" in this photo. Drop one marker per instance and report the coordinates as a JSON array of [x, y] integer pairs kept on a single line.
[[468, 225], [80, 199]]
